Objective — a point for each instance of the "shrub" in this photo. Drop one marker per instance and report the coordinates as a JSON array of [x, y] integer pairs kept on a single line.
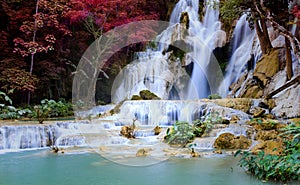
[[180, 134], [272, 167]]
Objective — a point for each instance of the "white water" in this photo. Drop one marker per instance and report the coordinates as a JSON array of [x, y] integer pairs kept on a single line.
[[152, 69], [241, 53]]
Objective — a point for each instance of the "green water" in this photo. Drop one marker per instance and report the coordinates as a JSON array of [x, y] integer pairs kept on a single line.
[[45, 168]]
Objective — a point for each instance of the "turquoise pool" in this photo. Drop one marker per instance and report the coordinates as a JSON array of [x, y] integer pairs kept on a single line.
[[41, 167]]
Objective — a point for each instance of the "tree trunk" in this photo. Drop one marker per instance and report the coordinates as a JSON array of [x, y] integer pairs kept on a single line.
[[33, 40], [288, 57], [263, 35]]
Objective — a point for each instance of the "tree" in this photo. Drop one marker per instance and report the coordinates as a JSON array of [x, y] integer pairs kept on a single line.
[[47, 23]]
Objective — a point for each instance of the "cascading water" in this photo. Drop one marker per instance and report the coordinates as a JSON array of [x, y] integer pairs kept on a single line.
[[152, 69], [243, 57]]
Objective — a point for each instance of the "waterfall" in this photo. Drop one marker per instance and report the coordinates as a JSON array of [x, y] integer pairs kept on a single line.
[[14, 137], [153, 70], [242, 56]]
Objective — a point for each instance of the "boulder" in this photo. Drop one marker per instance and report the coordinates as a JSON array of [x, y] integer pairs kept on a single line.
[[136, 97], [242, 104], [143, 152], [267, 67], [157, 130], [229, 141], [272, 147], [254, 91], [127, 131], [257, 112], [264, 135], [147, 95]]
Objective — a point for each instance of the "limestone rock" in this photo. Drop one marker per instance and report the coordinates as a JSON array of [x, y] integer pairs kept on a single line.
[[254, 91], [127, 131], [143, 152], [147, 95], [157, 130], [287, 103], [267, 66], [234, 119], [264, 135], [272, 147], [257, 112], [229, 141], [242, 104], [136, 97]]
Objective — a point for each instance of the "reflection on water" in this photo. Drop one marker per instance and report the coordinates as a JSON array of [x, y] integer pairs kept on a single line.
[[44, 168]]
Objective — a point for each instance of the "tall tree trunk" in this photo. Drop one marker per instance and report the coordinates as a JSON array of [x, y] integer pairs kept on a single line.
[[288, 57], [33, 40], [263, 35]]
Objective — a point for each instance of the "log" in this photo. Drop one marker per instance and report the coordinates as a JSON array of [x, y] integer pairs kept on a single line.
[[285, 86]]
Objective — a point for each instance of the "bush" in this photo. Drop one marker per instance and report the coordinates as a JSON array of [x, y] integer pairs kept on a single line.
[[51, 108], [180, 134], [279, 168]]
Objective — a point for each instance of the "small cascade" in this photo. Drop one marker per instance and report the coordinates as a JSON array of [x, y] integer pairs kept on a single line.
[[14, 137], [167, 112], [27, 136], [243, 58]]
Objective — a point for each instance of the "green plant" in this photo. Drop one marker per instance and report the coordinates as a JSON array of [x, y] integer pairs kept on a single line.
[[214, 96], [5, 97], [57, 109], [201, 127], [291, 130], [51, 108], [272, 167], [180, 134]]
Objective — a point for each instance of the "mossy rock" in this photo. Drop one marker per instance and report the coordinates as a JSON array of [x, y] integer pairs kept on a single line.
[[229, 141], [136, 97], [214, 96], [263, 124], [272, 147], [147, 95], [242, 104]]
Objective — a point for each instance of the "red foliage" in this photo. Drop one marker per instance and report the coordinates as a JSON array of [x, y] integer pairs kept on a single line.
[[108, 14], [296, 11], [17, 79], [49, 23]]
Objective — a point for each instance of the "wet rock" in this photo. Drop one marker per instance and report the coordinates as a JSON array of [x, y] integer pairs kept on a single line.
[[127, 131], [147, 95], [229, 141], [225, 121], [143, 152], [234, 119], [254, 91], [269, 116], [195, 154], [264, 135], [263, 124], [267, 67], [136, 97], [242, 104], [272, 147], [157, 130], [218, 151], [250, 132], [257, 112]]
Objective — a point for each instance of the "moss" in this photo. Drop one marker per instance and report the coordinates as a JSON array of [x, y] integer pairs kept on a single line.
[[136, 97], [147, 95]]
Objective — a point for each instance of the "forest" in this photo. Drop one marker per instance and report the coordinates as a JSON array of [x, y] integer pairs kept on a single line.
[[43, 41]]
